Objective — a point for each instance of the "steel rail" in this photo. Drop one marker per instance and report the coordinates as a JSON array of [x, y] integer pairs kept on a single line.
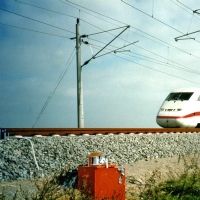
[[29, 132]]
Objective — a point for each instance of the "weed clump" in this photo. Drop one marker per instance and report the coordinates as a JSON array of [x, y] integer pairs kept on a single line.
[[48, 188]]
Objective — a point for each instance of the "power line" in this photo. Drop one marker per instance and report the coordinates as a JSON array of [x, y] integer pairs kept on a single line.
[[165, 43], [36, 20], [60, 13], [104, 16], [53, 11], [95, 56], [164, 23], [35, 31], [162, 57], [94, 12], [173, 1], [68, 64], [113, 29], [46, 9], [175, 65], [191, 12], [121, 22], [158, 70], [186, 8], [184, 5]]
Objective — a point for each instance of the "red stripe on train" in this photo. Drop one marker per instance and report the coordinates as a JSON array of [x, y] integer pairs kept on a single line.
[[176, 117]]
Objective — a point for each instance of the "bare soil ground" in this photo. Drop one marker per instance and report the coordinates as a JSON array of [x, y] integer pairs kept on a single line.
[[161, 170], [139, 172], [166, 167]]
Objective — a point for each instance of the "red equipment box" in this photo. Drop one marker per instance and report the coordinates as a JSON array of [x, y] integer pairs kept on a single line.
[[102, 181]]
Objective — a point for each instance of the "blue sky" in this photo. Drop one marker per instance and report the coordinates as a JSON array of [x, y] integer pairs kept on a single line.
[[38, 63]]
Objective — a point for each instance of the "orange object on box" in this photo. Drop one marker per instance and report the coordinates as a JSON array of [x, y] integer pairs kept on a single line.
[[101, 181]]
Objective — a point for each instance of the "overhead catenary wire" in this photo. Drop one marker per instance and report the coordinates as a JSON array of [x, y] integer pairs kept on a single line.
[[68, 64], [35, 20], [192, 12], [152, 37], [33, 30], [166, 43], [95, 55], [184, 51], [43, 8], [140, 30], [179, 65], [54, 11], [158, 70], [117, 49], [154, 69], [67, 1], [160, 21], [64, 14], [186, 8], [176, 3], [184, 5], [169, 63], [105, 31], [164, 23]]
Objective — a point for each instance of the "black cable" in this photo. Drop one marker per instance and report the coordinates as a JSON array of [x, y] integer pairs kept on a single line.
[[105, 31], [184, 5], [118, 21], [156, 54], [181, 66], [156, 61], [35, 31], [68, 64], [49, 10], [164, 23], [173, 1], [41, 22], [94, 12], [60, 13], [157, 70]]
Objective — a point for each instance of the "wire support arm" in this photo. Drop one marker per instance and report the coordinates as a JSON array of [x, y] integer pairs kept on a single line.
[[95, 56], [87, 35], [197, 11], [184, 37], [116, 50], [105, 31]]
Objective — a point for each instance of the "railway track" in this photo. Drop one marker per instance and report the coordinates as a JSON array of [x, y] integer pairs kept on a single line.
[[30, 132]]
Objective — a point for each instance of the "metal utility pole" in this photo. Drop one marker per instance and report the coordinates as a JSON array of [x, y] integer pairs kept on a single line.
[[79, 40], [80, 114]]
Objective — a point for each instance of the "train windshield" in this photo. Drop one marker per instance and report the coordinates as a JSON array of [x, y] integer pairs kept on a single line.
[[179, 96]]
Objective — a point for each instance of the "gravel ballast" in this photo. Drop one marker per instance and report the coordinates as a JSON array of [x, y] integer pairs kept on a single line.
[[17, 161]]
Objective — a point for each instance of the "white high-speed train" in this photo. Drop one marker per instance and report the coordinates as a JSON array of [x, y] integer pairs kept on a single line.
[[181, 108]]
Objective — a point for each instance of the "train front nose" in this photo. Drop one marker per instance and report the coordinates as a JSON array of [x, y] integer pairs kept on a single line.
[[167, 122]]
